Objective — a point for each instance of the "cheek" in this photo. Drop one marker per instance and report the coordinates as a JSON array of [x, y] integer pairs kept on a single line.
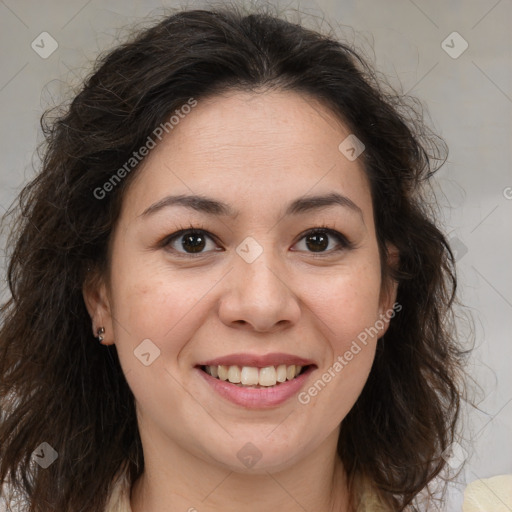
[[339, 382], [152, 325], [152, 301], [347, 303], [147, 296]]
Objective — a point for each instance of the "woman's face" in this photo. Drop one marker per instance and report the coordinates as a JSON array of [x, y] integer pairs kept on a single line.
[[251, 293]]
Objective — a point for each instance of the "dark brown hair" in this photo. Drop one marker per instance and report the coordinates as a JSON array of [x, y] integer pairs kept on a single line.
[[58, 385]]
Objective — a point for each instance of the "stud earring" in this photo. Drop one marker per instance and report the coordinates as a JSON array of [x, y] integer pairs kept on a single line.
[[101, 332]]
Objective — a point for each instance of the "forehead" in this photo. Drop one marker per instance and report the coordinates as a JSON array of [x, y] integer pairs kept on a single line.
[[252, 148]]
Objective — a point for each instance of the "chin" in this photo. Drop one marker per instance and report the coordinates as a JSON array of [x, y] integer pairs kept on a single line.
[[259, 454]]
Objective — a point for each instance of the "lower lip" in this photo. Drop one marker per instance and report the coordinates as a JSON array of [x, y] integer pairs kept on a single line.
[[257, 398]]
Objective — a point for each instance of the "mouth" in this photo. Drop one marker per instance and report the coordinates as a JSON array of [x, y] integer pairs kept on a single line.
[[254, 381], [253, 376]]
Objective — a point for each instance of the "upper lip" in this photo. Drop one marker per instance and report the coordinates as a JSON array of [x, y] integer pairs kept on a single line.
[[258, 361]]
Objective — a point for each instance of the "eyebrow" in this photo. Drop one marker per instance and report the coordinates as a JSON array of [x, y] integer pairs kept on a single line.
[[211, 206]]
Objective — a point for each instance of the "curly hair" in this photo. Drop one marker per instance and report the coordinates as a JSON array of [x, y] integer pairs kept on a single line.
[[58, 385]]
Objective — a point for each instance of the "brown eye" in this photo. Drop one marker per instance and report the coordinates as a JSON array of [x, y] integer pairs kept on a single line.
[[195, 242], [189, 241], [317, 242], [324, 241]]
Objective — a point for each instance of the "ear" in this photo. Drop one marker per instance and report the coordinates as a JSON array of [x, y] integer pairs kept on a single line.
[[388, 306], [97, 302]]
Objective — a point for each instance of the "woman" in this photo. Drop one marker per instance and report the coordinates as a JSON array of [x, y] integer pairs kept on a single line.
[[227, 290]]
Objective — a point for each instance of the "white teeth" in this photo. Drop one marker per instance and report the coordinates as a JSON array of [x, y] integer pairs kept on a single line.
[[290, 372], [281, 373], [234, 374], [222, 371], [249, 376], [268, 376], [252, 376]]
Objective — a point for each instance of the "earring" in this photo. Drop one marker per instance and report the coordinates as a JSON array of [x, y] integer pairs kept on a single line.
[[101, 332]]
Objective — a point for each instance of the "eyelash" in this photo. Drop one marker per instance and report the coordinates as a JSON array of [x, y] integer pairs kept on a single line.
[[343, 242]]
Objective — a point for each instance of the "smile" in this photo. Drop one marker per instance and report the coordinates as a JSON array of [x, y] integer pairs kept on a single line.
[[256, 381], [254, 377]]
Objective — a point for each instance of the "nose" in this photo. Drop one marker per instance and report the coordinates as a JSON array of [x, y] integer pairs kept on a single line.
[[258, 297]]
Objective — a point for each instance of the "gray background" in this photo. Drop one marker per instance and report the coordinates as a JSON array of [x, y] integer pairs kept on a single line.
[[469, 100]]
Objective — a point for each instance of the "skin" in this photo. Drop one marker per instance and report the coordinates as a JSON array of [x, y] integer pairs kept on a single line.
[[256, 152]]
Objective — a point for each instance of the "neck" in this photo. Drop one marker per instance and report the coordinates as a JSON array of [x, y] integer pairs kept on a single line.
[[316, 482]]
